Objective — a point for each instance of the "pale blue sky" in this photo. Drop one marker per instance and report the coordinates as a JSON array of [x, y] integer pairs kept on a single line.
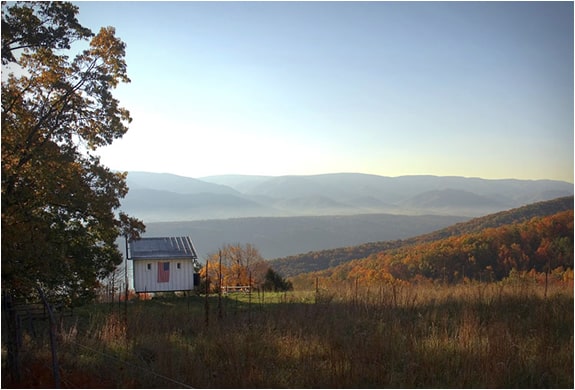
[[278, 88]]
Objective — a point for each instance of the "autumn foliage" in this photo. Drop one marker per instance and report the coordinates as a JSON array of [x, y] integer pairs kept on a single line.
[[540, 245], [329, 258], [241, 265]]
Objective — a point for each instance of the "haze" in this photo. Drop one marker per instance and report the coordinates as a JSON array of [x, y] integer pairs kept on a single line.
[[296, 88]]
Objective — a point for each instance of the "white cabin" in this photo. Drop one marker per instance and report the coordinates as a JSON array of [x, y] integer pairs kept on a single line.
[[163, 264]]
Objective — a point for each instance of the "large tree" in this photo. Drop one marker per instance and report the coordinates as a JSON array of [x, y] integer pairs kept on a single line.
[[60, 205], [242, 265]]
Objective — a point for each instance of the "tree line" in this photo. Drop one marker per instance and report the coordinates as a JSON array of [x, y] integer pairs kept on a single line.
[[239, 266]]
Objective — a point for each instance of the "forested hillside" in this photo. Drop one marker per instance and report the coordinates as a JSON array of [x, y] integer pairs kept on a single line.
[[541, 244], [320, 260]]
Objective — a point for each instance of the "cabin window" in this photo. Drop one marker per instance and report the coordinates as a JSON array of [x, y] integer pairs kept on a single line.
[[149, 266], [179, 265]]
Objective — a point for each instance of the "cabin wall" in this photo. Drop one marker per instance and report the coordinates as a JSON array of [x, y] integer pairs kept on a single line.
[[146, 275]]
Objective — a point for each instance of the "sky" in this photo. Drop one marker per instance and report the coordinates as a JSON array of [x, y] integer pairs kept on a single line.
[[388, 88]]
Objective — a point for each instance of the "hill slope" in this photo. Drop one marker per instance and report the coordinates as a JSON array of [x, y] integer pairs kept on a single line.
[[174, 183], [539, 245], [319, 260]]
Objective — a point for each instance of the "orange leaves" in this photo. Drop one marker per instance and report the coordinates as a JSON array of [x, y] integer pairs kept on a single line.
[[490, 254], [241, 265]]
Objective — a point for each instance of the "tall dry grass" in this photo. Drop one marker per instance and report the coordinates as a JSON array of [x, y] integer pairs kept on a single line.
[[475, 335]]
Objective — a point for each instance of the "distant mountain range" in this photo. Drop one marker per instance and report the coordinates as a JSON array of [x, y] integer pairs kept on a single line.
[[285, 236], [155, 197]]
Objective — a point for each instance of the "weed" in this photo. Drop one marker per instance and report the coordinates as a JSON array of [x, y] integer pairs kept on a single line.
[[467, 335]]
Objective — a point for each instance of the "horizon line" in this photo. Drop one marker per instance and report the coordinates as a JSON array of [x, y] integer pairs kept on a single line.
[[341, 173]]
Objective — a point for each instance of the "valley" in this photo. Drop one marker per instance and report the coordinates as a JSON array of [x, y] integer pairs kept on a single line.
[[285, 236], [289, 215]]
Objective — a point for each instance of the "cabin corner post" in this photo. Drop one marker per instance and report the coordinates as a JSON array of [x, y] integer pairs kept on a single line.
[[126, 288]]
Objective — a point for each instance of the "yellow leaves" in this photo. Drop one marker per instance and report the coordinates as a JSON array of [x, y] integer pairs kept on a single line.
[[567, 276], [105, 41], [111, 51]]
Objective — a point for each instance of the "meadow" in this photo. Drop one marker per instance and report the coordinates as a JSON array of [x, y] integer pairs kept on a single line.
[[381, 336]]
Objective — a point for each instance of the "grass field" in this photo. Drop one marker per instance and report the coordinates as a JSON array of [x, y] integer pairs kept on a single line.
[[472, 335]]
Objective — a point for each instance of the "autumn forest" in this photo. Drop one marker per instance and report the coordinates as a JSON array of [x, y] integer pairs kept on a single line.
[[541, 245]]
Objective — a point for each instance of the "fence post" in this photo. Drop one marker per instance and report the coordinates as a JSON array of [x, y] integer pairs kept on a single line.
[[207, 308], [13, 358], [220, 315], [547, 269], [249, 298], [356, 299], [55, 366]]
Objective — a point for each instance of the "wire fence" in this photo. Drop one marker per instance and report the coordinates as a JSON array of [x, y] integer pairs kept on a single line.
[[131, 365], [27, 326]]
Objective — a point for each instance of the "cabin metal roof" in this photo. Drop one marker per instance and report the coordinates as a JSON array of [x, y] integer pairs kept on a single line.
[[162, 248]]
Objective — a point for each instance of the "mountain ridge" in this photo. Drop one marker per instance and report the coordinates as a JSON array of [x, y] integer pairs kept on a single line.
[[238, 196]]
